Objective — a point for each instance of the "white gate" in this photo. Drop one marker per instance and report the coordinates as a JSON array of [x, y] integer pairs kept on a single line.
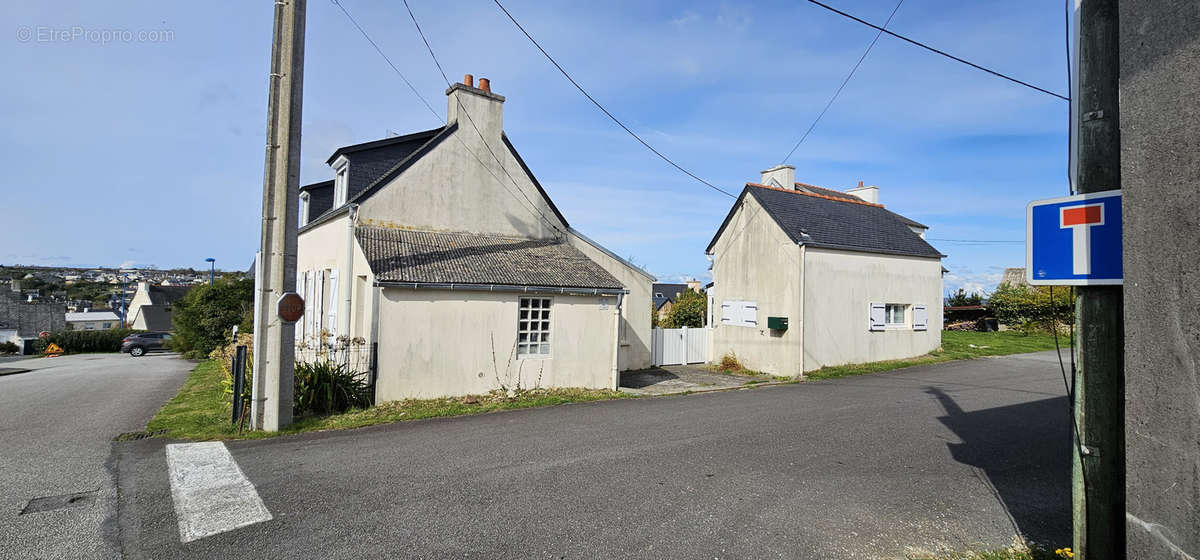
[[679, 346]]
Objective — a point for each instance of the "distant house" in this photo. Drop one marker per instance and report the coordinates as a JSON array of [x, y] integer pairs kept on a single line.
[[152, 306], [460, 268], [92, 321], [1015, 277], [806, 277], [665, 296], [22, 321]]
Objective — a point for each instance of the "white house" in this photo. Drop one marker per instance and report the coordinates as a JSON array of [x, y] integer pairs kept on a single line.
[[441, 248], [806, 277], [152, 307], [92, 321]]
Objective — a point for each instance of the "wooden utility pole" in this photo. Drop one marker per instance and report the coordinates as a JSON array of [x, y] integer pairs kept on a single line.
[[274, 338], [1098, 473]]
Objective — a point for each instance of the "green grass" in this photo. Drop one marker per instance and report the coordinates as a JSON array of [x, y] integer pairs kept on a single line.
[[1016, 552], [201, 410], [956, 345]]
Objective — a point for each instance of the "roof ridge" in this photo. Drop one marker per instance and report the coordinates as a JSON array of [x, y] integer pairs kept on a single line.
[[386, 227], [815, 195]]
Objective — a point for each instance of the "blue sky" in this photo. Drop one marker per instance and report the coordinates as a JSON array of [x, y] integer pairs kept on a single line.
[[149, 151]]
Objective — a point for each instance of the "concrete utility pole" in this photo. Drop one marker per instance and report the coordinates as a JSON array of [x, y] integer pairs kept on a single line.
[[1098, 472], [275, 339]]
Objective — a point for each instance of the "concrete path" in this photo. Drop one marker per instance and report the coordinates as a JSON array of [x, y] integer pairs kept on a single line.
[[667, 380], [58, 421], [939, 457]]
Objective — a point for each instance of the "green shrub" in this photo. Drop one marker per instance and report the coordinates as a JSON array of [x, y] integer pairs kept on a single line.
[[107, 340], [206, 315], [688, 310], [8, 347], [325, 387], [1030, 309]]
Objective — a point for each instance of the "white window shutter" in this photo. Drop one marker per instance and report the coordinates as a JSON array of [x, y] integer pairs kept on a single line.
[[878, 316], [749, 314], [728, 312], [333, 303], [318, 303], [920, 318]]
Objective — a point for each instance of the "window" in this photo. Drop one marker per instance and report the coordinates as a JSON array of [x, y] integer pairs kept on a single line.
[[533, 327], [658, 294], [107, 326], [341, 178], [304, 209], [885, 316]]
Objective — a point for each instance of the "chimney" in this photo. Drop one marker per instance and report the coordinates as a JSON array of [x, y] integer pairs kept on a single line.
[[782, 176], [484, 108], [869, 193]]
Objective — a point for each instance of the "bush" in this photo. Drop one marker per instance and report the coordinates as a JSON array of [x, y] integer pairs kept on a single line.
[[8, 347], [205, 316], [1032, 309], [730, 363], [325, 387], [688, 310], [224, 355], [107, 340]]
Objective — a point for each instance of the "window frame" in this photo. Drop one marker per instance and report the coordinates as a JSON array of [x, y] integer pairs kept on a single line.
[[888, 315], [545, 327], [341, 181], [304, 202]]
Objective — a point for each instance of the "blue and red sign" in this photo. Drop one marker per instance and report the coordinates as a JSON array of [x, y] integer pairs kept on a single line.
[[1074, 240]]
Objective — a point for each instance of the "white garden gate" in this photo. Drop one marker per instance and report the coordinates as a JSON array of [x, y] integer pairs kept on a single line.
[[679, 346]]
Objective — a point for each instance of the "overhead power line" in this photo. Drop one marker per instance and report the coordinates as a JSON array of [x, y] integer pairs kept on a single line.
[[605, 111], [976, 241], [844, 82], [464, 111], [943, 53], [386, 59]]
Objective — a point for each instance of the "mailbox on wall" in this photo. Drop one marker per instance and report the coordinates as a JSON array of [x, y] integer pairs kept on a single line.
[[777, 323]]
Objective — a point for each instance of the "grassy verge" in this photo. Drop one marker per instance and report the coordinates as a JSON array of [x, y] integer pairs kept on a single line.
[[1018, 552], [201, 409], [956, 345]]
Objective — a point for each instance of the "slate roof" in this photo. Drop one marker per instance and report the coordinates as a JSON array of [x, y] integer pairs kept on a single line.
[[158, 317], [669, 291], [166, 295], [659, 301], [821, 220], [424, 257]]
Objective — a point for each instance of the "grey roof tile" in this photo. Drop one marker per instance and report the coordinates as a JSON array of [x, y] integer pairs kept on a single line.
[[399, 255], [819, 221]]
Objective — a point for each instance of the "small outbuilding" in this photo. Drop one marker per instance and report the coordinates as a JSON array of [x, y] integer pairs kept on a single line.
[[806, 277]]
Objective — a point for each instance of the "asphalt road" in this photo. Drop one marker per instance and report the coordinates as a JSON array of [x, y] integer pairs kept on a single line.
[[57, 424], [941, 457]]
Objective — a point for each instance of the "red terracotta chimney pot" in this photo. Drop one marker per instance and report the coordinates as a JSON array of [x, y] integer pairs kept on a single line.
[[485, 84], [860, 184], [469, 80]]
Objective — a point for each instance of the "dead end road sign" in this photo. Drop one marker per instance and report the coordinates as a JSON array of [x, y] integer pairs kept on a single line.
[[1074, 240]]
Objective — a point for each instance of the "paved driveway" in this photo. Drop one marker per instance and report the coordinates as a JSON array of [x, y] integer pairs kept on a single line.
[[945, 456], [665, 380], [58, 422]]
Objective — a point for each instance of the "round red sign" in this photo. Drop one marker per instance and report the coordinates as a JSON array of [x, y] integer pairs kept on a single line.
[[291, 307]]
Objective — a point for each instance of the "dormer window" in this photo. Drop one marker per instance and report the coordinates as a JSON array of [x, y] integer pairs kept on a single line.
[[304, 209], [341, 180]]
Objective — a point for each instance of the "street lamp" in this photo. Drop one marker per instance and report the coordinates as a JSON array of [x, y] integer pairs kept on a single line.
[[124, 280], [212, 270]]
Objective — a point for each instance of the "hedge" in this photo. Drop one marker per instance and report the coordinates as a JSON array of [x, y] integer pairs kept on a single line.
[[107, 340]]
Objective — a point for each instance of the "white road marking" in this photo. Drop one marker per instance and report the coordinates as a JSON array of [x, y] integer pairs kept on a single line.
[[210, 492]]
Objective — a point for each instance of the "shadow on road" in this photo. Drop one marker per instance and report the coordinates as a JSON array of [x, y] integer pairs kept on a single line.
[[1023, 450], [645, 377]]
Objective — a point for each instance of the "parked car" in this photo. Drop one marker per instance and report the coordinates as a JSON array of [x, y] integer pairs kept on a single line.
[[138, 344]]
